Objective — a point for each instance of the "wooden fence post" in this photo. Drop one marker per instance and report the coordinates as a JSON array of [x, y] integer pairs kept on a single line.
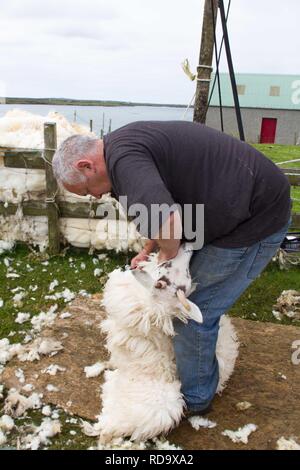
[[50, 144], [102, 130], [204, 68]]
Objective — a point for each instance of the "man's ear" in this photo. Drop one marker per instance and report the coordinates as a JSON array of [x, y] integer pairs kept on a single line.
[[84, 164]]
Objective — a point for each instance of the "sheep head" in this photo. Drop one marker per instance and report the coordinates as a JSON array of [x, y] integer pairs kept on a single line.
[[171, 280], [151, 296]]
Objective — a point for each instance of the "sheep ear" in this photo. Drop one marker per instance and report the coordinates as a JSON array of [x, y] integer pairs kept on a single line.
[[143, 277], [195, 312]]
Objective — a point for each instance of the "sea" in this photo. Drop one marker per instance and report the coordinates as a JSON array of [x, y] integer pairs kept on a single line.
[[106, 117]]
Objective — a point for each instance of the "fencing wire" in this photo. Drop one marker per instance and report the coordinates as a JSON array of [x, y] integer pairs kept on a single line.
[[100, 125]]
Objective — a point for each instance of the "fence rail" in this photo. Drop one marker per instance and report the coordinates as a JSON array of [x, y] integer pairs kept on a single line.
[[78, 210], [16, 158], [52, 207], [33, 160]]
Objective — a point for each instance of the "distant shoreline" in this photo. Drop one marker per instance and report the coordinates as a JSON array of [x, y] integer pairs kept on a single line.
[[73, 102]]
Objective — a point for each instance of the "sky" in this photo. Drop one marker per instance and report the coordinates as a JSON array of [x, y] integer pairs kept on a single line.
[[132, 50]]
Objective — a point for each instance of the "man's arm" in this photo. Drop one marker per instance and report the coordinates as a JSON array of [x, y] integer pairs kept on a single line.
[[168, 239], [136, 176]]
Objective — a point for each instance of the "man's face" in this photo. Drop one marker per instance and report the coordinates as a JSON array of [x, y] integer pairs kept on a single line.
[[83, 189], [95, 184]]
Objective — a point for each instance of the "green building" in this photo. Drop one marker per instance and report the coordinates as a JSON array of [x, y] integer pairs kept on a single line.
[[270, 106]]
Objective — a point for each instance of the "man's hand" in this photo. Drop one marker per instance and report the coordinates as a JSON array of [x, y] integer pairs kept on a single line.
[[149, 247], [142, 256], [168, 246]]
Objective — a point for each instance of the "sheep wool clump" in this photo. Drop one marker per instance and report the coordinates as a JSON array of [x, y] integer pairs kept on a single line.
[[48, 428], [287, 444], [21, 129], [141, 393], [16, 404], [242, 434], [288, 305], [95, 369]]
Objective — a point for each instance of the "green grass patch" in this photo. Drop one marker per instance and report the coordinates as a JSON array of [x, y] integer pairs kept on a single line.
[[71, 436], [258, 300], [75, 271], [296, 196], [281, 153]]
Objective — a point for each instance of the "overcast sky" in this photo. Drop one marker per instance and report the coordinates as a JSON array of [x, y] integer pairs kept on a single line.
[[131, 50]]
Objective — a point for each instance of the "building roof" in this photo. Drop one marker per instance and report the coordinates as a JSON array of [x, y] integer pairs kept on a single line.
[[261, 91]]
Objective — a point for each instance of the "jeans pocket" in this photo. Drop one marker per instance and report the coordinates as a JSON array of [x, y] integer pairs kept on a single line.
[[264, 254], [212, 264]]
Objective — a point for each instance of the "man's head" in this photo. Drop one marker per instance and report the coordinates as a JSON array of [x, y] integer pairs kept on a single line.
[[79, 166]]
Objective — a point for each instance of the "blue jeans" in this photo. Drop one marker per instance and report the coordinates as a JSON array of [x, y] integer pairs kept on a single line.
[[221, 275]]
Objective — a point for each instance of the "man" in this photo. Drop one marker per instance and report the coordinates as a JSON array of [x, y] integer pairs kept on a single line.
[[246, 202]]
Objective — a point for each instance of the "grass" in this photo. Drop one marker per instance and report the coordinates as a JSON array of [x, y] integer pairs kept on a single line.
[[75, 270], [71, 437], [283, 153], [257, 301]]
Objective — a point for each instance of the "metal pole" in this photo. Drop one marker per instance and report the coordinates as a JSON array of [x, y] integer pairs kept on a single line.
[[218, 75], [231, 71]]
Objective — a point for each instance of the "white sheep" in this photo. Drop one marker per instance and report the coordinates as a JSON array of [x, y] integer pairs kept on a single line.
[[141, 394]]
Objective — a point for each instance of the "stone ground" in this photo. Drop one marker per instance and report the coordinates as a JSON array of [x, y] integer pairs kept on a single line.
[[265, 355]]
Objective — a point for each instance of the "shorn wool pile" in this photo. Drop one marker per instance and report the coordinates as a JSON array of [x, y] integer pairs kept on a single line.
[[21, 129], [141, 394]]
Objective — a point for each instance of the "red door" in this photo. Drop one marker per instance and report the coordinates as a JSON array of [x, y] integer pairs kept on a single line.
[[268, 131]]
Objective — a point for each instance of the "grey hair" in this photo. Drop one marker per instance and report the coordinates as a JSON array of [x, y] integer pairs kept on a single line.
[[71, 150]]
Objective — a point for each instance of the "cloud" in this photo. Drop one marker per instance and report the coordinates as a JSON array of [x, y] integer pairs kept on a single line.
[[34, 9], [132, 50], [74, 32]]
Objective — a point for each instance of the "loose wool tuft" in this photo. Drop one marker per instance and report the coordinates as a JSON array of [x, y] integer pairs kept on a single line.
[[141, 393]]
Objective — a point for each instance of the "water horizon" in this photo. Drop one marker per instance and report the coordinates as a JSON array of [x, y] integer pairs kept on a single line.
[[118, 115]]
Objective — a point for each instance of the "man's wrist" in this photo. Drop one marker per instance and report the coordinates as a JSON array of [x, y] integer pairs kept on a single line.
[[149, 247]]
